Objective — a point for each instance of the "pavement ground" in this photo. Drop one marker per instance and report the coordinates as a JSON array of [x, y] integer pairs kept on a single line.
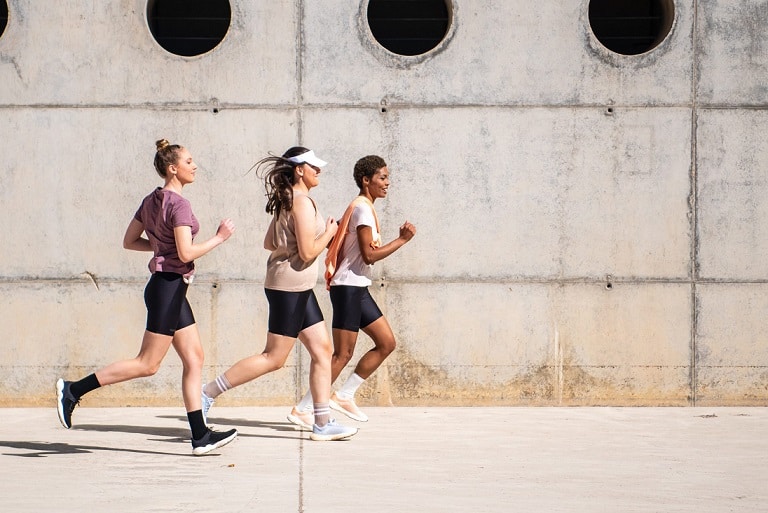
[[405, 459]]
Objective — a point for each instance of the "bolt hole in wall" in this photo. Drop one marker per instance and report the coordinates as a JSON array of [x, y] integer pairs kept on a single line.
[[3, 16], [408, 27], [189, 27], [631, 27]]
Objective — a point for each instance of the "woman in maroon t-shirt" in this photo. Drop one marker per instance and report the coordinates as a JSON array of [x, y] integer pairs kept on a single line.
[[167, 219]]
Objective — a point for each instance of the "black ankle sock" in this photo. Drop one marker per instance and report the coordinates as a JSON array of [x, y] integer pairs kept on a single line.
[[85, 385], [197, 424]]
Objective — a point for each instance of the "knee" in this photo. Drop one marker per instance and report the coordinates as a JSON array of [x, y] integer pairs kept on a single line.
[[149, 369], [194, 360], [343, 354], [387, 346], [275, 362]]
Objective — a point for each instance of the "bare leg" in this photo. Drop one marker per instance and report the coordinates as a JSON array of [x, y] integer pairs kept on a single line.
[[154, 347], [318, 344], [384, 344], [187, 344], [343, 348], [272, 358]]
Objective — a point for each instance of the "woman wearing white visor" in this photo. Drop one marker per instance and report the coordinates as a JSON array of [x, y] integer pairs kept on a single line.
[[296, 236]]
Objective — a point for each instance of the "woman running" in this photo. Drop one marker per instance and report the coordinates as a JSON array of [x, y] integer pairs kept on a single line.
[[167, 219], [349, 266], [295, 237]]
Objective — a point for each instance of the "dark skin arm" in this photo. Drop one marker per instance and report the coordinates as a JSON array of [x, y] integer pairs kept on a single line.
[[372, 255]]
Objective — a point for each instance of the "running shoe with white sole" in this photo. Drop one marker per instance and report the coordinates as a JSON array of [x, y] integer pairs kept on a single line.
[[348, 408], [302, 419], [331, 431], [212, 440], [65, 402]]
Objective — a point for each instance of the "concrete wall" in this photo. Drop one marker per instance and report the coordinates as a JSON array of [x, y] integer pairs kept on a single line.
[[591, 227]]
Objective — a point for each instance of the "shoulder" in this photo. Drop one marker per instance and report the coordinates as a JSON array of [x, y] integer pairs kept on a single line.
[[303, 203], [362, 212], [177, 202]]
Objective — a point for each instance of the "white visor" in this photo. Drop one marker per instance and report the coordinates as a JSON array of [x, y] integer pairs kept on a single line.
[[309, 158]]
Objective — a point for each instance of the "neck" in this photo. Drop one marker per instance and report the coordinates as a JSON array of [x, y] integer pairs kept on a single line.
[[367, 194], [173, 185]]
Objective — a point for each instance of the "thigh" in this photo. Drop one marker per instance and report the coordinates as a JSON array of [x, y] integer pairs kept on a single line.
[[286, 311], [369, 310], [312, 312], [186, 342], [186, 317], [317, 342], [165, 298], [347, 307]]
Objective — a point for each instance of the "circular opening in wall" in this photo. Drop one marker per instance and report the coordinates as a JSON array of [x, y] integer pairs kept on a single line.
[[3, 16], [189, 27], [631, 27], [408, 27]]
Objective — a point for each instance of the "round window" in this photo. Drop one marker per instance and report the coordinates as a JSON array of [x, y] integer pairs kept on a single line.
[[408, 27], [3, 16], [189, 27], [631, 27]]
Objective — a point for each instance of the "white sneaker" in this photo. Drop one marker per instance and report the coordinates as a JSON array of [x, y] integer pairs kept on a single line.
[[331, 431], [207, 402], [348, 408], [303, 419]]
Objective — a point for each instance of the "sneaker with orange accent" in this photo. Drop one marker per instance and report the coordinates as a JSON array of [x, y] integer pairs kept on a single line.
[[303, 419], [348, 408]]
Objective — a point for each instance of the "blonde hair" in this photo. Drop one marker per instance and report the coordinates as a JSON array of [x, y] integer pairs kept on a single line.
[[167, 155]]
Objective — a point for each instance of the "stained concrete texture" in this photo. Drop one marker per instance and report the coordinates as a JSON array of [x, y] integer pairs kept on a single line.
[[404, 459], [591, 226]]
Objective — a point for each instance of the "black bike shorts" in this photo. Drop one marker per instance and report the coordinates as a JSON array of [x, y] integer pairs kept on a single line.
[[292, 312], [167, 307], [353, 307]]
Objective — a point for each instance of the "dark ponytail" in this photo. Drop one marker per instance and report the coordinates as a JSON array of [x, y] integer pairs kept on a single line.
[[278, 175]]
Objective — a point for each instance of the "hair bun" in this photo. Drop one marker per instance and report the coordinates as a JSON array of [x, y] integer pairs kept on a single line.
[[162, 144]]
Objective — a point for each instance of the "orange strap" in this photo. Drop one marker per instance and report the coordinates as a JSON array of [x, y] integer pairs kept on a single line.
[[333, 256]]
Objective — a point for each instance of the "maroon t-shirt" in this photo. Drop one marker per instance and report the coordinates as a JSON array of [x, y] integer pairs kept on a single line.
[[160, 212]]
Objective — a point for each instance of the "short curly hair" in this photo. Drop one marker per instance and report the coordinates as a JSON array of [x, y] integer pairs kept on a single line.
[[367, 166]]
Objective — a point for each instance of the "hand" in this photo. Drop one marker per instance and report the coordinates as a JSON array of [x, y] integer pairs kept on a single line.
[[331, 226], [407, 231], [226, 229]]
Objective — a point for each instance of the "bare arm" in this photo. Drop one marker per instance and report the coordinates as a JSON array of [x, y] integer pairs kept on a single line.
[[133, 240], [371, 254], [304, 219], [189, 251]]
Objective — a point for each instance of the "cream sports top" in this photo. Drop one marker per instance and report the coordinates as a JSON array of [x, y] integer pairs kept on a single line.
[[286, 270]]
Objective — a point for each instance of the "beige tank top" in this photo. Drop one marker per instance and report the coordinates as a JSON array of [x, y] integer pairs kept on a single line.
[[286, 270]]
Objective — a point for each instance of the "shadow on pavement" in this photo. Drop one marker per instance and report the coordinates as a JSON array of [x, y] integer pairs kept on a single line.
[[43, 449]]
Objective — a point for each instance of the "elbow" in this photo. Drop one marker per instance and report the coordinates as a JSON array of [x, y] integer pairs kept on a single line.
[[306, 257], [185, 258], [368, 259]]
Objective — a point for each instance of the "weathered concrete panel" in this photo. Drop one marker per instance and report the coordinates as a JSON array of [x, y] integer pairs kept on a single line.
[[538, 167], [733, 194], [499, 52], [733, 61], [532, 192], [69, 329], [79, 179], [571, 344], [85, 53], [731, 337]]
